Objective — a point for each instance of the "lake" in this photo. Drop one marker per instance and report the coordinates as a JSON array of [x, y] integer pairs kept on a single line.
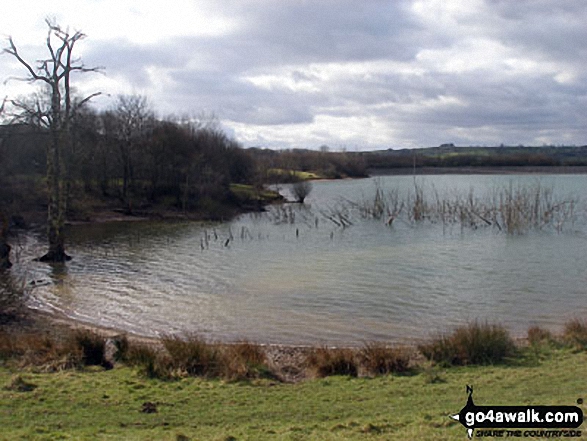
[[328, 272]]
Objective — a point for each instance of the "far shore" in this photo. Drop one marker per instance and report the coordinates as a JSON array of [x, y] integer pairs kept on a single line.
[[506, 170], [111, 213]]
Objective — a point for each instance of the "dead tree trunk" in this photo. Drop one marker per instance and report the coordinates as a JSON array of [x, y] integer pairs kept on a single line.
[[57, 200], [55, 72], [4, 247]]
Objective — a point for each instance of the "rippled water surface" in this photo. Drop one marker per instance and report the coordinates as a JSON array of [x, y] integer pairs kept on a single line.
[[311, 281]]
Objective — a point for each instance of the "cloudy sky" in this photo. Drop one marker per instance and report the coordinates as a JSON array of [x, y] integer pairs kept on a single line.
[[350, 74]]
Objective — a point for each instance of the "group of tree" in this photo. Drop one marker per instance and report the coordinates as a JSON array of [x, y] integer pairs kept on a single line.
[[127, 156], [59, 149]]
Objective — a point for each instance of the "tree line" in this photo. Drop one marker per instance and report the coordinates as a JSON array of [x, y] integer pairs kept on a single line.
[[61, 155]]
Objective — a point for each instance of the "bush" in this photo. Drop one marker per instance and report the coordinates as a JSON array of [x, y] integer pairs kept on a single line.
[[378, 359], [575, 334], [323, 362], [472, 344]]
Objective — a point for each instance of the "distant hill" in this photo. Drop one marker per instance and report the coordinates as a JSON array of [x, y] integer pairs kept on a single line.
[[449, 155]]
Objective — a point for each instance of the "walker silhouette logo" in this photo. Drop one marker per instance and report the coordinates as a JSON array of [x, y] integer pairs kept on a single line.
[[556, 421]]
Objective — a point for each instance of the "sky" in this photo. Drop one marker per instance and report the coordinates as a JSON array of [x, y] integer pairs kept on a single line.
[[354, 75]]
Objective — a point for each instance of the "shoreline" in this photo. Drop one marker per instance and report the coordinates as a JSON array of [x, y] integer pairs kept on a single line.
[[491, 170], [107, 213], [286, 360]]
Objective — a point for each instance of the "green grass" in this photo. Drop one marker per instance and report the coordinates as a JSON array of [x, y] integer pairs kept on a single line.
[[96, 404], [298, 174], [248, 192]]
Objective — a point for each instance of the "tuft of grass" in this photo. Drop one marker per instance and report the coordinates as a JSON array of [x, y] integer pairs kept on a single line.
[[91, 345], [324, 362], [575, 334], [150, 361], [432, 374], [243, 361], [41, 352], [474, 343], [379, 359], [19, 384], [538, 336], [193, 356]]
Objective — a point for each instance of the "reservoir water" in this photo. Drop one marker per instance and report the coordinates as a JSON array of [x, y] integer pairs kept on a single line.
[[324, 272]]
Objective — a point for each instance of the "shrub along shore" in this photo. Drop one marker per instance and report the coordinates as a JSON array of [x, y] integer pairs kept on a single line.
[[37, 343], [93, 384]]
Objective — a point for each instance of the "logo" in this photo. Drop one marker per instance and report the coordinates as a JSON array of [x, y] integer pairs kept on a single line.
[[555, 421]]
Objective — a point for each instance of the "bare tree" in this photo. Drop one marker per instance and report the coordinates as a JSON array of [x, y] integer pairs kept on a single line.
[[133, 121], [4, 247], [301, 190], [55, 72]]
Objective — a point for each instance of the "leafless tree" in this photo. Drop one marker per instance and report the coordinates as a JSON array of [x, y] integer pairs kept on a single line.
[[132, 120], [301, 190], [55, 72], [4, 247]]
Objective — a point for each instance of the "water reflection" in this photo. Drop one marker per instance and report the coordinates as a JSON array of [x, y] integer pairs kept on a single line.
[[13, 296]]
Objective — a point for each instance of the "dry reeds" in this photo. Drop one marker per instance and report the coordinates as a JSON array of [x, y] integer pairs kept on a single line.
[[324, 362], [49, 354], [380, 359], [513, 210], [193, 356], [90, 345], [474, 343], [538, 336], [575, 334], [177, 357]]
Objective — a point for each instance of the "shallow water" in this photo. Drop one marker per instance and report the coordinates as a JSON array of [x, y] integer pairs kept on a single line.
[[310, 281]]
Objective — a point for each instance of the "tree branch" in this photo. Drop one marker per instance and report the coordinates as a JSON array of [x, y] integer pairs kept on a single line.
[[88, 98], [14, 52]]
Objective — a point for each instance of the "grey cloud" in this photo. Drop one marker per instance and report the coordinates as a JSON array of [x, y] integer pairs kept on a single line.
[[544, 27], [238, 100], [498, 103], [121, 57]]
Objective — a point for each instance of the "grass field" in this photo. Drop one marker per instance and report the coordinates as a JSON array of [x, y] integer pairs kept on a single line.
[[97, 404]]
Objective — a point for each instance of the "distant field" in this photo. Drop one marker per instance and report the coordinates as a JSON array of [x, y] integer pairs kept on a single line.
[[296, 174], [108, 405]]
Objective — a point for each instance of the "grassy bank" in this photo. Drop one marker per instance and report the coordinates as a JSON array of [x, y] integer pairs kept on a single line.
[[123, 404], [62, 387]]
